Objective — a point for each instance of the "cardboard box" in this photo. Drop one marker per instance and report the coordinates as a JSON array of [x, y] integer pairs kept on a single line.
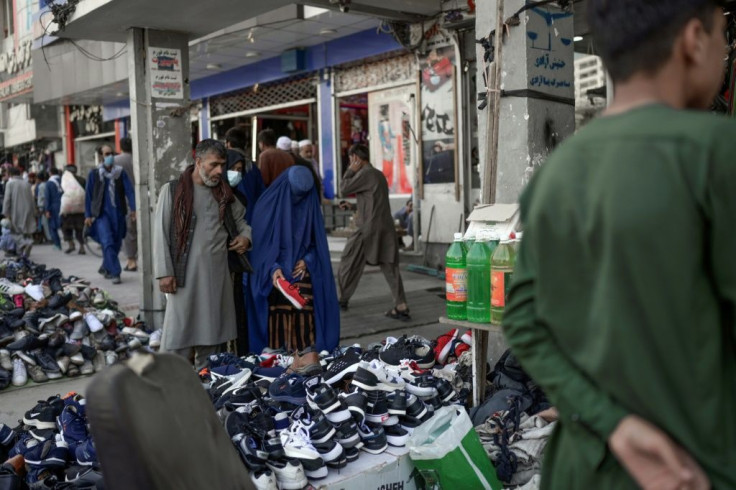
[[390, 470], [499, 218]]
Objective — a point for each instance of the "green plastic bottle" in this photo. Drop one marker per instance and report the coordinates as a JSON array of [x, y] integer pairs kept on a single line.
[[479, 280], [469, 241], [502, 270], [456, 280]]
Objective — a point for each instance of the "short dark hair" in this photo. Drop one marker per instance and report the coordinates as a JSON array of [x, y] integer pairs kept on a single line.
[[42, 176], [14, 171], [210, 146], [53, 171], [410, 201], [635, 36], [236, 138], [126, 145], [360, 151], [267, 137]]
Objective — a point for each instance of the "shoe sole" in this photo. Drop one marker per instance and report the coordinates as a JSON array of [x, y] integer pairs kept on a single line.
[[26, 359], [350, 442], [324, 438], [397, 441], [52, 375], [419, 391], [324, 410], [38, 424], [335, 454], [375, 451], [317, 474], [376, 419]]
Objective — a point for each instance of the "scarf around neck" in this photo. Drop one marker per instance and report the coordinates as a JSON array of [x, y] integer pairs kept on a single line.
[[184, 203], [111, 175]]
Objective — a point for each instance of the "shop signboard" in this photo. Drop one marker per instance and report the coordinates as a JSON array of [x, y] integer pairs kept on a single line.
[[438, 112], [166, 76]]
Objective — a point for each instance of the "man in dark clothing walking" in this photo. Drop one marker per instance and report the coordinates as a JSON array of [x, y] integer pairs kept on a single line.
[[375, 242], [624, 293], [53, 205], [72, 208]]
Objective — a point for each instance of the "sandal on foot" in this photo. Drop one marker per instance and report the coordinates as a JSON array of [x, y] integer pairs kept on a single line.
[[404, 315]]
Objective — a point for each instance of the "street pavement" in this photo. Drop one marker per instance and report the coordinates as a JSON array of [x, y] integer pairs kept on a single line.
[[363, 323]]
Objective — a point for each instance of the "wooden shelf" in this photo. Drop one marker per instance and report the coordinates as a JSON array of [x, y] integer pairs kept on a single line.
[[484, 327]]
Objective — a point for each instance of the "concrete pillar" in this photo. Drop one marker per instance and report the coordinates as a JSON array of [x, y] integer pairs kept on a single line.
[[158, 64], [537, 61]]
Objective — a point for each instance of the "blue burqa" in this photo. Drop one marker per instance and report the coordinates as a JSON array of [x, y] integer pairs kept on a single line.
[[288, 226]]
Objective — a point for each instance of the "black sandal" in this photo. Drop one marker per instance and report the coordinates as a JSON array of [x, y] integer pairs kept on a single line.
[[404, 315]]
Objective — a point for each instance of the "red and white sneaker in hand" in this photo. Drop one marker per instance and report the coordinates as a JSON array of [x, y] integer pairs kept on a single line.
[[291, 292]]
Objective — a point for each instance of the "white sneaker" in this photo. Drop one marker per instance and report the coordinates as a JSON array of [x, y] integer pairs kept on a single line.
[[111, 357], [135, 332], [372, 376], [10, 288], [265, 480], [289, 475], [35, 291], [5, 361], [20, 375], [297, 444], [155, 339], [93, 323]]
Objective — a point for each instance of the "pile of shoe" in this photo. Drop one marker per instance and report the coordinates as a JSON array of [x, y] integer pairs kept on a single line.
[[55, 445], [293, 417], [51, 326]]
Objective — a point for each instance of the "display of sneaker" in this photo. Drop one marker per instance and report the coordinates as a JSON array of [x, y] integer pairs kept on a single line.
[[372, 376], [5, 361], [289, 474], [297, 445], [377, 409], [77, 359], [445, 390], [46, 362], [35, 291], [80, 330], [73, 371], [330, 451], [264, 480], [10, 288], [291, 292], [93, 323], [28, 343], [397, 350], [73, 425], [48, 454], [20, 374], [415, 407], [111, 357], [99, 361], [373, 438], [289, 389]]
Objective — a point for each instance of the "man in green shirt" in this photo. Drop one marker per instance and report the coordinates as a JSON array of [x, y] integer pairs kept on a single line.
[[623, 302]]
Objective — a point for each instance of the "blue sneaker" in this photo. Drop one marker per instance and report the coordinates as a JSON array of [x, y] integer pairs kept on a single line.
[[289, 389], [73, 427], [50, 454], [86, 453], [25, 444], [7, 435]]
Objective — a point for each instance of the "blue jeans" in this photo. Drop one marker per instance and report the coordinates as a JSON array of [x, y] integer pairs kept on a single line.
[[54, 226], [110, 246]]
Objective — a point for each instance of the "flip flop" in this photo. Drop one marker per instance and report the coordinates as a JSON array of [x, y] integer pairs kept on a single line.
[[130, 269], [404, 316]]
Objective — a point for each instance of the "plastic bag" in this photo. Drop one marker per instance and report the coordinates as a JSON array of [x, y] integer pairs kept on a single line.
[[447, 449], [72, 200]]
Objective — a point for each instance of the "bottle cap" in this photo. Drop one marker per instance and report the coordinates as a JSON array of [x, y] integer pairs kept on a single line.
[[458, 237], [512, 236]]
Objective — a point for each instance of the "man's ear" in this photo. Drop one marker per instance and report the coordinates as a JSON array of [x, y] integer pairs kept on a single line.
[[693, 43]]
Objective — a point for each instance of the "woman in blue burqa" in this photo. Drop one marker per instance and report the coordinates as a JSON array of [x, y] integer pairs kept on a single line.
[[289, 240]]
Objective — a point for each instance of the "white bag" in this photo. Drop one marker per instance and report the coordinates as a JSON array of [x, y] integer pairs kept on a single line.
[[72, 200]]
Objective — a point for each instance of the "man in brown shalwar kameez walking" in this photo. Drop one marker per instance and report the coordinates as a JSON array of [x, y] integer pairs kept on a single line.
[[375, 242]]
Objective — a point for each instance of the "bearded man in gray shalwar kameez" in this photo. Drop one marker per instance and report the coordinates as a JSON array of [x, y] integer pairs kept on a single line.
[[198, 221], [19, 207]]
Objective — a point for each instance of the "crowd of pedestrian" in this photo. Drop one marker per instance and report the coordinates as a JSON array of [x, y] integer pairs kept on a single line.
[[256, 229]]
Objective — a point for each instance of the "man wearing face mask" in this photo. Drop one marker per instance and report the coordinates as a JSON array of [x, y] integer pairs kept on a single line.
[[108, 193], [198, 220]]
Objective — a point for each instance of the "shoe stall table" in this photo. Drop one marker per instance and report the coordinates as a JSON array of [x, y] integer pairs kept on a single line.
[[390, 470], [488, 340]]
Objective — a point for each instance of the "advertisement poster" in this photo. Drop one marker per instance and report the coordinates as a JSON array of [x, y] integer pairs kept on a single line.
[[390, 115], [165, 68], [438, 114]]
